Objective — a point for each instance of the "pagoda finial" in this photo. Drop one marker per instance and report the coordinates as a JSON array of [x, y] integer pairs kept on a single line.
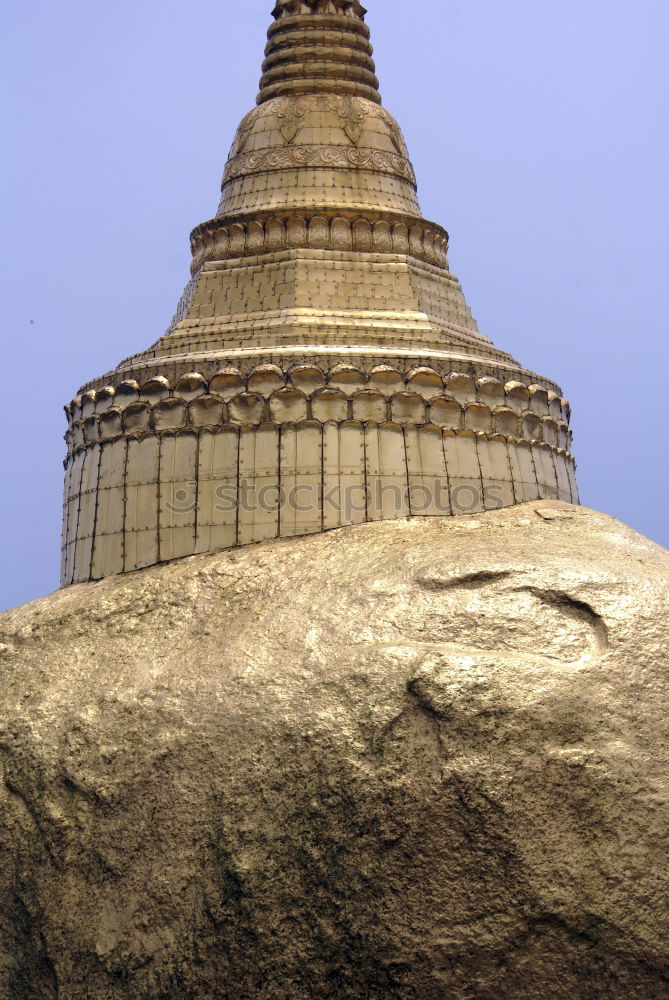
[[316, 47], [293, 8]]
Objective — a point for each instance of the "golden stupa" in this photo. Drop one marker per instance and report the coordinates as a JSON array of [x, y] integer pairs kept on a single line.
[[323, 367]]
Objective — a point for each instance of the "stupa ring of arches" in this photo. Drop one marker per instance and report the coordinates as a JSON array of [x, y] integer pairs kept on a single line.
[[158, 471], [243, 237]]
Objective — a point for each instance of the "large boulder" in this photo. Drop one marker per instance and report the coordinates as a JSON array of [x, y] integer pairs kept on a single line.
[[418, 760]]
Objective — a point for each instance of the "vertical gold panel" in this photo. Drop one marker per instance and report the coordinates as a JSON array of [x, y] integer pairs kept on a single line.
[[373, 479], [258, 484], [109, 539], [66, 507], [464, 473], [352, 473], [331, 476], [289, 466], [495, 473], [571, 471], [73, 504], [394, 473], [428, 480], [87, 514], [178, 495], [547, 479], [218, 494], [308, 497], [141, 508], [525, 483], [564, 483]]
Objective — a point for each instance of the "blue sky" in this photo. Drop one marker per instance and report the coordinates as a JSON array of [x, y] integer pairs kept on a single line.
[[539, 135]]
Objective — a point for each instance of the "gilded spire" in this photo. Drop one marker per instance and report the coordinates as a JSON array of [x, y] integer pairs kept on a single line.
[[319, 47]]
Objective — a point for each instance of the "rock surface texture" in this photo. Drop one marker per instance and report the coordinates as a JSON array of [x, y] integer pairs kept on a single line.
[[412, 759]]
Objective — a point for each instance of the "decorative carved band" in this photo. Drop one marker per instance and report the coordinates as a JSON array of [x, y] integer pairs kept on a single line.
[[324, 61], [290, 115], [313, 58], [243, 237], [326, 408], [320, 157], [269, 395], [346, 38], [318, 85]]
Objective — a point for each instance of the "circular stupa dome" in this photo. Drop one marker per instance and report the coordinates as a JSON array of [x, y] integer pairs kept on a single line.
[[291, 151]]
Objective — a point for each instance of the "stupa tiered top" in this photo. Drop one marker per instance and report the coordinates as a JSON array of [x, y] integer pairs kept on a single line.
[[314, 56], [323, 367]]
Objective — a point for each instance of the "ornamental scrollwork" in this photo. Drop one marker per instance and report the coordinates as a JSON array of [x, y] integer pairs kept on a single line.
[[352, 111], [244, 131], [320, 156], [290, 113]]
